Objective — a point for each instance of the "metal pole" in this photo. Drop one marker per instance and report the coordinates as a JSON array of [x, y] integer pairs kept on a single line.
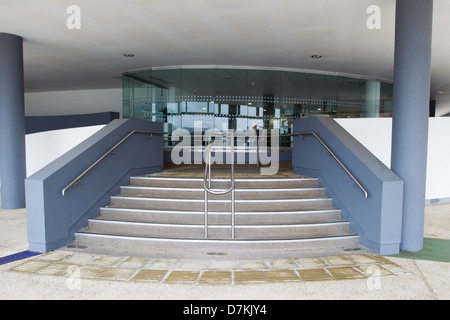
[[232, 214], [232, 191], [206, 214]]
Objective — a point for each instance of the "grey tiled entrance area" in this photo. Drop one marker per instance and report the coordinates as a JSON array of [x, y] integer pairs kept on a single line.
[[139, 269]]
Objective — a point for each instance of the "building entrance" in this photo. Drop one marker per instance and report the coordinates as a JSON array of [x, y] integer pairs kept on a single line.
[[241, 98]]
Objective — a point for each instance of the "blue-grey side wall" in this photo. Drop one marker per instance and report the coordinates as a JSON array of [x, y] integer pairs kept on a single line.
[[46, 123], [53, 219], [378, 219]]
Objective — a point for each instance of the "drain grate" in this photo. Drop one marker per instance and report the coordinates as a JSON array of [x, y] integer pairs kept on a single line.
[[352, 249], [216, 253], [75, 246]]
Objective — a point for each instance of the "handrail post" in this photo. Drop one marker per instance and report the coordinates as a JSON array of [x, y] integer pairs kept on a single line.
[[232, 184], [209, 167], [207, 186], [232, 214], [206, 214]]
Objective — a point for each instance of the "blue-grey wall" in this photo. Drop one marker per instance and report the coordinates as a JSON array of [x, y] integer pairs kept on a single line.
[[46, 123], [53, 219], [378, 219]]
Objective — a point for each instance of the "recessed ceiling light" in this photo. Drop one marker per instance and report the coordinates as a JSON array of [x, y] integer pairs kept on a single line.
[[128, 55], [316, 56]]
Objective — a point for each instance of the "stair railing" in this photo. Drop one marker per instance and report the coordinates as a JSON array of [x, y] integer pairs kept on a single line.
[[207, 184], [357, 183], [113, 150]]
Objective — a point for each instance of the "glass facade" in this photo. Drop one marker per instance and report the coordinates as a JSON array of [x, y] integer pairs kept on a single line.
[[238, 98]]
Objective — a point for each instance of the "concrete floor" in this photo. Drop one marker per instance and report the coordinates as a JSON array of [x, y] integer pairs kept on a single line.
[[414, 279]]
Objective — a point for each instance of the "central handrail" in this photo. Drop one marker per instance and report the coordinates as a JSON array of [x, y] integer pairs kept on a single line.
[[335, 158], [110, 151], [208, 189]]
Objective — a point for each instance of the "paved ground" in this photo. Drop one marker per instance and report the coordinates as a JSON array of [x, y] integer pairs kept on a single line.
[[68, 275], [211, 271]]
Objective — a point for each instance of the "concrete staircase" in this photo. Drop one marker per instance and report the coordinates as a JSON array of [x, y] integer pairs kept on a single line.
[[164, 216]]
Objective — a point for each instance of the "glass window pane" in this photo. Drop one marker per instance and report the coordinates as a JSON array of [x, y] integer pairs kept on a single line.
[[237, 98]]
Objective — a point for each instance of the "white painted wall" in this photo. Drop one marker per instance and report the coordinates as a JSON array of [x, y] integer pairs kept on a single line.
[[44, 147], [58, 103], [438, 172], [375, 135]]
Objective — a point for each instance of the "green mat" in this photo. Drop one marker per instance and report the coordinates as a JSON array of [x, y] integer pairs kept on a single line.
[[433, 249]]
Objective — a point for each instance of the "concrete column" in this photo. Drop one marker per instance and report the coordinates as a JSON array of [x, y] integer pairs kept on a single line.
[[413, 31], [12, 122], [372, 107]]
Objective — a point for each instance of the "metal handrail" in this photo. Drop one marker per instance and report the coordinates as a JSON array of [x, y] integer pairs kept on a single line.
[[76, 181], [335, 158], [207, 177], [207, 186]]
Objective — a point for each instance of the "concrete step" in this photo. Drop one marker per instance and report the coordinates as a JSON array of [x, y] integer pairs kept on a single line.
[[216, 249], [240, 194], [217, 218], [245, 232], [221, 205], [165, 216], [156, 181]]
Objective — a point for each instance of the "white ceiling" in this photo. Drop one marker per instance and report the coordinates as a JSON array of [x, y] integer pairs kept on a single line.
[[260, 33]]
